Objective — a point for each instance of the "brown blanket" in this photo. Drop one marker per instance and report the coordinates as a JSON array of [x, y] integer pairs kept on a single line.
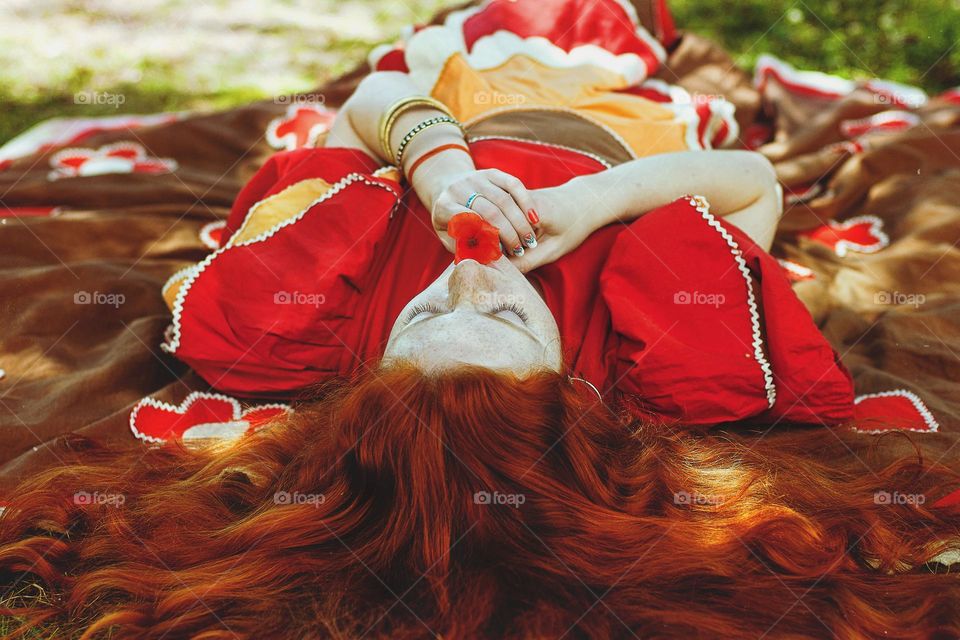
[[82, 318]]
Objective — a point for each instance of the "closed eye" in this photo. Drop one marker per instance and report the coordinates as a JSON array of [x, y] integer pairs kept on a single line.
[[426, 307], [423, 307], [513, 308]]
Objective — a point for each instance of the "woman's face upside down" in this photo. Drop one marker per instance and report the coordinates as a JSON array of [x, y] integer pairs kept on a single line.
[[483, 315]]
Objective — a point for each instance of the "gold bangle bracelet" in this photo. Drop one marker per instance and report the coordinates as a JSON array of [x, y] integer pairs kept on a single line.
[[395, 110]]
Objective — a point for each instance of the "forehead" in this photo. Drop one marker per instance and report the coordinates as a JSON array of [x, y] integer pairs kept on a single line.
[[468, 339]]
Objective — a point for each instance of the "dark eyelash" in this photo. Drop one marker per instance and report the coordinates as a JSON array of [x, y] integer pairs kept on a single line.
[[422, 308], [517, 309]]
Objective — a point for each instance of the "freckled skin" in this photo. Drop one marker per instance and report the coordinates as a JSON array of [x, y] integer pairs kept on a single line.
[[470, 322]]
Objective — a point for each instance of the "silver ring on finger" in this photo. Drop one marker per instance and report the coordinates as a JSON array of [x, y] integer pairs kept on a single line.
[[473, 196]]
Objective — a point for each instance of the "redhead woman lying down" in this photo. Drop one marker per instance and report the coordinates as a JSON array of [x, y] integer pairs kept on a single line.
[[647, 280], [567, 441]]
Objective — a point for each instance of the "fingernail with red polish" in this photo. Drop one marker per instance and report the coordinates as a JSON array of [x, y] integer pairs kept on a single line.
[[532, 216]]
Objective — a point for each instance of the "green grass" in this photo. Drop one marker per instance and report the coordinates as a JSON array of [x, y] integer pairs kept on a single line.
[[24, 595], [911, 41]]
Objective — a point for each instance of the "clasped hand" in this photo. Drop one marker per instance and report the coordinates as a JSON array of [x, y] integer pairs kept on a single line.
[[537, 226]]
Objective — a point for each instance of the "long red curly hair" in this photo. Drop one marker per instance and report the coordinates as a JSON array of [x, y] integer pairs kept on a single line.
[[476, 505]]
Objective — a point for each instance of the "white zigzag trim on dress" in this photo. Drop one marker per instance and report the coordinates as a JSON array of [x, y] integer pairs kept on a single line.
[[700, 204], [592, 156], [173, 343], [238, 412], [549, 107], [914, 399], [385, 169], [178, 275]]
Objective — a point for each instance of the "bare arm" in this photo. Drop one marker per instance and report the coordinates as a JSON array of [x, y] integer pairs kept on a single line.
[[358, 125], [740, 185], [445, 181]]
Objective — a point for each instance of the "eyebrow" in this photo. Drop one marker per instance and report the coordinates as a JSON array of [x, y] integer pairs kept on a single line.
[[524, 329]]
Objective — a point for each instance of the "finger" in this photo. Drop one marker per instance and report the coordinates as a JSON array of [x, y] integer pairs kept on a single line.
[[508, 207], [523, 215], [511, 213], [545, 254], [444, 209], [493, 214]]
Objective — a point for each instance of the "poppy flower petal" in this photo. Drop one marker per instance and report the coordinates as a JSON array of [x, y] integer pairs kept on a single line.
[[476, 238]]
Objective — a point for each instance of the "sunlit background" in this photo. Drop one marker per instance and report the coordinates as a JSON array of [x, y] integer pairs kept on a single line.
[[164, 55]]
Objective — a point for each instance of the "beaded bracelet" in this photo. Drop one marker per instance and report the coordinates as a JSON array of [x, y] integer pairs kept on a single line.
[[395, 110], [429, 122]]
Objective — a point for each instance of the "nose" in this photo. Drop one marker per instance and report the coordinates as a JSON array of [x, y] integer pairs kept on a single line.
[[470, 282]]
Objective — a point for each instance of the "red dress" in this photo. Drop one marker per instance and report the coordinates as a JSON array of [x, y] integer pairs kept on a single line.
[[678, 313]]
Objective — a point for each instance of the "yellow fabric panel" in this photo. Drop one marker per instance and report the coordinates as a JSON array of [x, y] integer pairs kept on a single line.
[[388, 173], [170, 293], [522, 82], [281, 206]]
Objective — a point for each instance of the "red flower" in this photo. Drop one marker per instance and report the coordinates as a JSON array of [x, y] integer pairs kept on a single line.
[[476, 238]]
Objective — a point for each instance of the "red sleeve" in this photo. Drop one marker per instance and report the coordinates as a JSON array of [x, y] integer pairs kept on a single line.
[[271, 311], [286, 167], [709, 330]]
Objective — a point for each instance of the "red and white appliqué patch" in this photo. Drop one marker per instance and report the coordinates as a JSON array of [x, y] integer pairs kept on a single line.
[[801, 193], [796, 272], [299, 127], [897, 410], [200, 415], [212, 233], [118, 157], [884, 122], [861, 234]]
